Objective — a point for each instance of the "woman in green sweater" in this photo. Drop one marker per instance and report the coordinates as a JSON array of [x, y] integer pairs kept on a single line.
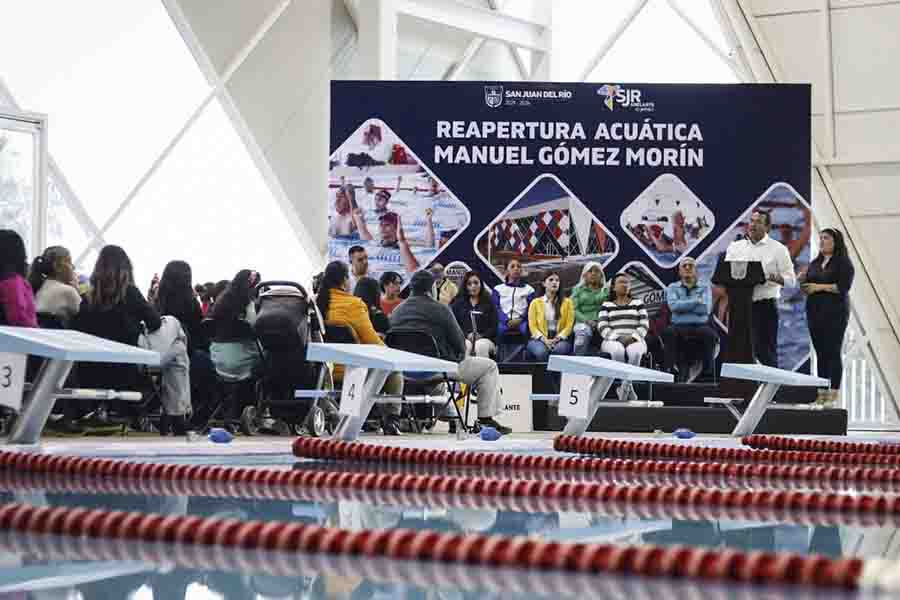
[[588, 296]]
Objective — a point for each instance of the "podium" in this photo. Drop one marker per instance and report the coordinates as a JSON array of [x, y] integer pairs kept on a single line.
[[739, 278]]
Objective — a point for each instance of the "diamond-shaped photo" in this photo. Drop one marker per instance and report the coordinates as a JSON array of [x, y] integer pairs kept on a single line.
[[383, 198], [546, 228], [667, 220]]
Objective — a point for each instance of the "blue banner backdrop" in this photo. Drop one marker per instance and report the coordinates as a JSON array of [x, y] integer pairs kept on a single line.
[[634, 176]]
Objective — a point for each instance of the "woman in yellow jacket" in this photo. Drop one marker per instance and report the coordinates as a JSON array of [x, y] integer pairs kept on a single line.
[[550, 319], [339, 307]]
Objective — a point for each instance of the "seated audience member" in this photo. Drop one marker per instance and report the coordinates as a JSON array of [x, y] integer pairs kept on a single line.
[[690, 302], [339, 307], [445, 291], [218, 289], [512, 298], [391, 283], [367, 290], [623, 325], [206, 297], [587, 298], [234, 351], [473, 298], [16, 297], [116, 310], [176, 298], [423, 313], [55, 287], [550, 319]]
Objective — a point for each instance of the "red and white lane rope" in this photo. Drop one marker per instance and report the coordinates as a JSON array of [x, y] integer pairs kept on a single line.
[[649, 502], [781, 443], [597, 446], [437, 547], [463, 576], [370, 453], [625, 473]]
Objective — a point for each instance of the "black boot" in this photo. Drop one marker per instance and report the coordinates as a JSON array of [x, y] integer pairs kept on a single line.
[[165, 424], [179, 425], [391, 425]]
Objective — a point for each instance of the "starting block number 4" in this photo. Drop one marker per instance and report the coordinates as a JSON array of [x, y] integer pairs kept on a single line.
[[12, 380], [574, 395], [352, 390]]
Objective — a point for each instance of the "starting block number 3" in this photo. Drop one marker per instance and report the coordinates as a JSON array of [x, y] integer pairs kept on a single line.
[[12, 380], [574, 395]]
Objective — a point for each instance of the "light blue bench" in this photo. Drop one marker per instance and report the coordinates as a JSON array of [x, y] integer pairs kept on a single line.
[[370, 365], [770, 380], [603, 373], [62, 348]]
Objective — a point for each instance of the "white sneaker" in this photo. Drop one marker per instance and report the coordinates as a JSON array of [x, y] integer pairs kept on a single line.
[[632, 395], [622, 391]]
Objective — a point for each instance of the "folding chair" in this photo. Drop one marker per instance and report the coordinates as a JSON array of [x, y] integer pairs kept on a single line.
[[419, 342]]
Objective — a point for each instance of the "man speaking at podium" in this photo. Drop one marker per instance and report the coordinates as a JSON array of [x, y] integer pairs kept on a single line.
[[778, 269]]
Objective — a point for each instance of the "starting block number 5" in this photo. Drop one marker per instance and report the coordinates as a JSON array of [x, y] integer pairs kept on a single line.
[[575, 395], [12, 380], [352, 391]]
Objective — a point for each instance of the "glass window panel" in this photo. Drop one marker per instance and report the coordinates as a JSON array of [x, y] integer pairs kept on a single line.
[[117, 81], [63, 229], [17, 182]]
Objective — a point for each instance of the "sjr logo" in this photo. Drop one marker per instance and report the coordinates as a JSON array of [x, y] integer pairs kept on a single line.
[[616, 94]]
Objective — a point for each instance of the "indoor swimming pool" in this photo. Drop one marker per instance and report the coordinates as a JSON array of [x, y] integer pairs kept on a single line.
[[427, 517]]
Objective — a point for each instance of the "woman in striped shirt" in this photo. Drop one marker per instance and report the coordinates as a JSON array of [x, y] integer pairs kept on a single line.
[[623, 324]]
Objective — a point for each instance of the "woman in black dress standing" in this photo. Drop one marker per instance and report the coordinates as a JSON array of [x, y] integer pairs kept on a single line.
[[827, 286]]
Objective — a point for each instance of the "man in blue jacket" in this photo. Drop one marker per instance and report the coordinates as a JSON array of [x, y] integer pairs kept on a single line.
[[690, 303]]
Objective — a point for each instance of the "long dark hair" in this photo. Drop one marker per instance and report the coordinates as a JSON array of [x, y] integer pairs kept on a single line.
[[557, 299], [46, 266], [840, 247], [333, 277], [232, 303], [463, 293], [175, 295], [13, 260], [111, 277], [368, 290]]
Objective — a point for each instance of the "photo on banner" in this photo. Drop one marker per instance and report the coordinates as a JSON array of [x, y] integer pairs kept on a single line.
[[383, 198], [792, 226], [667, 220], [547, 228]]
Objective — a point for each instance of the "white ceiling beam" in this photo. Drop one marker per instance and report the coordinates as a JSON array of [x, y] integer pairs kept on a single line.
[[726, 57], [524, 71], [219, 86], [779, 8], [465, 58], [483, 22], [353, 11], [828, 92], [855, 160], [611, 40], [456, 69]]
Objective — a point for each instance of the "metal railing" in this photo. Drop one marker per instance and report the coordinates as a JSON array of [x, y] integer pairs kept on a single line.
[[863, 393]]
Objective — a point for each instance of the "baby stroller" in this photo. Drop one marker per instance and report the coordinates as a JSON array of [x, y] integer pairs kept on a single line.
[[287, 321]]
